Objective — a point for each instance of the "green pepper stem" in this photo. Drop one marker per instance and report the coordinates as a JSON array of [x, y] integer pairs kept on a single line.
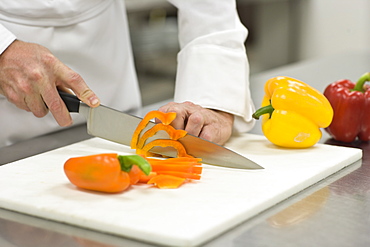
[[127, 161], [361, 82], [263, 110]]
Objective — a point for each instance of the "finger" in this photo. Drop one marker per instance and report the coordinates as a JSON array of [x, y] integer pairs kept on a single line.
[[57, 107], [210, 133], [36, 105], [218, 126], [72, 80], [181, 114], [165, 108], [162, 109], [195, 123], [64, 89]]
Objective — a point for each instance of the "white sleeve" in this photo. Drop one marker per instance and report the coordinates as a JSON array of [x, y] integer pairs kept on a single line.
[[6, 38], [213, 69]]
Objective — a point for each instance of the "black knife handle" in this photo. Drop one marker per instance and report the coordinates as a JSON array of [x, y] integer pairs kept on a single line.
[[71, 101]]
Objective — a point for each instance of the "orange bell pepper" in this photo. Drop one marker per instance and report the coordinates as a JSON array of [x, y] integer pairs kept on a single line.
[[171, 172], [135, 174], [165, 118], [181, 151], [172, 132], [145, 178], [104, 172]]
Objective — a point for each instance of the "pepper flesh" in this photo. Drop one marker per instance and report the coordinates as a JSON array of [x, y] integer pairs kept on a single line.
[[165, 118], [180, 174], [134, 174], [167, 181], [104, 172], [171, 131], [181, 151], [188, 168], [293, 113], [171, 172], [177, 160], [97, 172], [145, 178], [351, 103]]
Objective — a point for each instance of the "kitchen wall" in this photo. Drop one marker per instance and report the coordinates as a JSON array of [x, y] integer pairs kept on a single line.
[[284, 32], [328, 27], [281, 32]]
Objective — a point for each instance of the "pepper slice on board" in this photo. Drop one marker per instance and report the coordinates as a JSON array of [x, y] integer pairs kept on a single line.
[[180, 174], [187, 168], [167, 181], [177, 160]]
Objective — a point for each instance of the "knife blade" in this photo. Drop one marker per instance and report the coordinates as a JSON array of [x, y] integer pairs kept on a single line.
[[116, 126]]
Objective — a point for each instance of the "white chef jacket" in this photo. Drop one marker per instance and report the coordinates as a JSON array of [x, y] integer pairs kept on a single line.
[[92, 38]]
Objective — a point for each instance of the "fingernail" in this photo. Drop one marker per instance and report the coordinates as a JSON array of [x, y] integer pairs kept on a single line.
[[94, 101]]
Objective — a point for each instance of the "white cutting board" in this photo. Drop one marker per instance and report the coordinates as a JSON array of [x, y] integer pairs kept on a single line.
[[188, 216]]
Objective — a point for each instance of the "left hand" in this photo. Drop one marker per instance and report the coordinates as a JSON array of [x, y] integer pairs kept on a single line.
[[212, 125]]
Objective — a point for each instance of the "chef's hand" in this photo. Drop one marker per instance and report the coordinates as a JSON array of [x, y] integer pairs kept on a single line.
[[212, 125], [30, 75]]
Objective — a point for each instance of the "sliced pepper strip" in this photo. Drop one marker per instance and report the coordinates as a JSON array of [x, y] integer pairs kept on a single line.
[[181, 152], [188, 168], [167, 181], [172, 132], [180, 174], [177, 160], [165, 118]]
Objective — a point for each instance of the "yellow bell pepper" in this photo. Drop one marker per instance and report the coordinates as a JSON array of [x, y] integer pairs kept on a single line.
[[293, 113]]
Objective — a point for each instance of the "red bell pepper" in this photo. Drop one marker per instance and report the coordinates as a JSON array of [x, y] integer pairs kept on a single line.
[[351, 105]]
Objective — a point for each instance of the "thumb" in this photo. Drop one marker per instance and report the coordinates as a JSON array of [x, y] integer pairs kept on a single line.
[[87, 96]]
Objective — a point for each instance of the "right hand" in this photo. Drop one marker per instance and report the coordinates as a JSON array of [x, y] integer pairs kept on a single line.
[[30, 75], [212, 125]]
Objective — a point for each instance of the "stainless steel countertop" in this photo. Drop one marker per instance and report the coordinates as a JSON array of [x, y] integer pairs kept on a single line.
[[333, 212]]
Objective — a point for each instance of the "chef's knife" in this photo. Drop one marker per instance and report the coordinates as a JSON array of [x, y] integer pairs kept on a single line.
[[119, 127]]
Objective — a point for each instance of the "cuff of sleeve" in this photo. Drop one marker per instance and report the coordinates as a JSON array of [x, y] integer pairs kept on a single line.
[[6, 38], [216, 77]]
